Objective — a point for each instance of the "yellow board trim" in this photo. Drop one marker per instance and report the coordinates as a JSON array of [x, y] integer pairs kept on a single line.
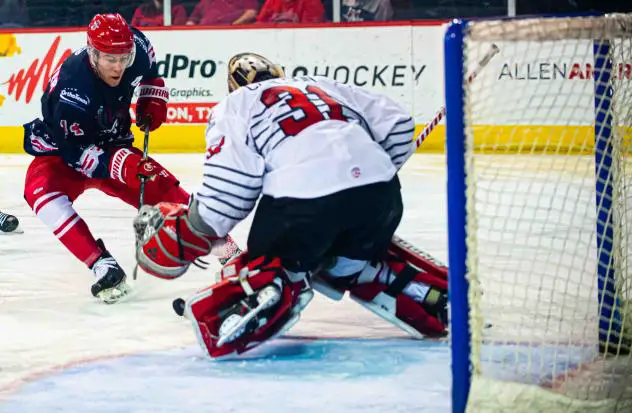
[[509, 139]]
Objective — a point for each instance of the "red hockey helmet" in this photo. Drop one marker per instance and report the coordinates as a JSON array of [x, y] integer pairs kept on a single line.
[[110, 33]]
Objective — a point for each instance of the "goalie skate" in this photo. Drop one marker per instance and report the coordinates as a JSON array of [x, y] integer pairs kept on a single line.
[[384, 305], [255, 301], [408, 289], [235, 325]]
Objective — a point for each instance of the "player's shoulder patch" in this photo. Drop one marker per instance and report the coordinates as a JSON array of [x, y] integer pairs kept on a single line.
[[74, 96], [74, 82]]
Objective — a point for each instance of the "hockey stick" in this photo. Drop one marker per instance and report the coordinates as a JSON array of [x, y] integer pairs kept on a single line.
[[441, 113], [141, 194], [493, 51]]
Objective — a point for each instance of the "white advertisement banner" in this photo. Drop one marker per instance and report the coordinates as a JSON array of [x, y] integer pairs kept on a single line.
[[193, 63], [551, 82]]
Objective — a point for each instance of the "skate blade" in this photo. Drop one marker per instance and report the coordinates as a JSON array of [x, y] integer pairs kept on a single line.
[[289, 324], [16, 231], [232, 334], [382, 306], [326, 289], [120, 293]]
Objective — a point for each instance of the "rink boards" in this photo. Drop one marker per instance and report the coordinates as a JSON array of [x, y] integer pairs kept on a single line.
[[403, 61]]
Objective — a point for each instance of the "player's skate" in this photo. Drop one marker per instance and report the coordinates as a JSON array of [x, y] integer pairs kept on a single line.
[[9, 224], [254, 302], [110, 286]]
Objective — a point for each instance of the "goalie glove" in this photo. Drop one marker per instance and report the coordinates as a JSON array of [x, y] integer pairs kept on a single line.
[[167, 242]]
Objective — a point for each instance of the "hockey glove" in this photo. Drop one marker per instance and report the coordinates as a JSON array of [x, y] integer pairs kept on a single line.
[[151, 108], [168, 243], [129, 167]]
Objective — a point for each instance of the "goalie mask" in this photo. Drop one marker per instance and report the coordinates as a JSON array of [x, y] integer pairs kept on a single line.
[[247, 68]]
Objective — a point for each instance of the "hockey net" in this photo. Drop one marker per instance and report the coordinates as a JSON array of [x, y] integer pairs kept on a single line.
[[549, 209]]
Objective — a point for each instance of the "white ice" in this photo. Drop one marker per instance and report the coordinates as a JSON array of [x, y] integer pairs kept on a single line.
[[59, 347]]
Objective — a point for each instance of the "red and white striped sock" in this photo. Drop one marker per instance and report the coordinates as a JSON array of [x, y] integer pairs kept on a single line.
[[56, 211]]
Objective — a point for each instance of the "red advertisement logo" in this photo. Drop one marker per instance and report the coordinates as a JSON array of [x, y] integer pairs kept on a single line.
[[37, 74]]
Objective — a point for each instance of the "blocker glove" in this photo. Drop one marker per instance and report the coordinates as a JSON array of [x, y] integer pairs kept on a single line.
[[151, 108]]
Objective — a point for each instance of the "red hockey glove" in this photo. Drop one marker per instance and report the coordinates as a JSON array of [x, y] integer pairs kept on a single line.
[[151, 108], [129, 167], [167, 241]]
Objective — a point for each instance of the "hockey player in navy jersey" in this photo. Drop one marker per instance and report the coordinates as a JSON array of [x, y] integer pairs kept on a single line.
[[323, 157], [83, 141]]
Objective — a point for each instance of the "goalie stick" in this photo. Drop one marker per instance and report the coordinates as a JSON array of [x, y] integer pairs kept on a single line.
[[441, 113], [383, 305], [379, 308], [493, 51]]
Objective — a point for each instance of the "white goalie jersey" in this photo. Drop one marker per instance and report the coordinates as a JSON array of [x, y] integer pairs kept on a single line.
[[302, 137]]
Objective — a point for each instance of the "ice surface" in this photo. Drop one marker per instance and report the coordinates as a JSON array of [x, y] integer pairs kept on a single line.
[[287, 375], [59, 347]]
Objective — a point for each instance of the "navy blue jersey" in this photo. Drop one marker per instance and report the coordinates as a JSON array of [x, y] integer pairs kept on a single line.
[[83, 117]]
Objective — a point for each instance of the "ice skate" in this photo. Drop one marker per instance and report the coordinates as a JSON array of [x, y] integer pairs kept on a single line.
[[235, 324], [110, 286], [9, 224]]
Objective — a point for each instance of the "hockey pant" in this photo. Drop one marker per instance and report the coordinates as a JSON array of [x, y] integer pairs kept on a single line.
[[51, 187]]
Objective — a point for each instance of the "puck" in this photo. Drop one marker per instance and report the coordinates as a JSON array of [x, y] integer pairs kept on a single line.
[[178, 306]]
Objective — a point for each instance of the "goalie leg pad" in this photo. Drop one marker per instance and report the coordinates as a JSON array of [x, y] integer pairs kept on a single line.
[[244, 295], [406, 313], [408, 289]]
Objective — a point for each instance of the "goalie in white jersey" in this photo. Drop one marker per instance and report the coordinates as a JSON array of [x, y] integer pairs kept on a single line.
[[322, 157]]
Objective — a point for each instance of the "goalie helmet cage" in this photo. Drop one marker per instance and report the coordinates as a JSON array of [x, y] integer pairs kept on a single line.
[[539, 214]]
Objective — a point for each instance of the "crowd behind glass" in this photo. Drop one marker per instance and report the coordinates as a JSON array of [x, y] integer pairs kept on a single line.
[[53, 13]]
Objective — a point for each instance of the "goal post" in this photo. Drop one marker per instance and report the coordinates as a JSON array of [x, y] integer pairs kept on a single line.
[[540, 214]]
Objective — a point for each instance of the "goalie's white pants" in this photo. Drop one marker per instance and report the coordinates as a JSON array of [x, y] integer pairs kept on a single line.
[[345, 267]]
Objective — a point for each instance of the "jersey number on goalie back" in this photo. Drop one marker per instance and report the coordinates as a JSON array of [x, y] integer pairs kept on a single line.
[[308, 103]]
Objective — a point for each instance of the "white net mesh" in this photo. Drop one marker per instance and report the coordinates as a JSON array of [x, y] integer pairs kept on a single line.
[[534, 165]]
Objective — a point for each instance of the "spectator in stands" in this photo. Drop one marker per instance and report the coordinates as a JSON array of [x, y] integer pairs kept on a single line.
[[291, 11], [220, 12], [13, 13], [366, 10], [151, 14]]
